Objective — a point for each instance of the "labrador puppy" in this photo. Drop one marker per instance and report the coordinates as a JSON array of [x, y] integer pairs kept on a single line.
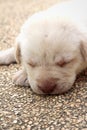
[[51, 47]]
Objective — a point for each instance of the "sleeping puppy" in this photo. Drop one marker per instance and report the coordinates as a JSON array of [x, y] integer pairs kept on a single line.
[[51, 47]]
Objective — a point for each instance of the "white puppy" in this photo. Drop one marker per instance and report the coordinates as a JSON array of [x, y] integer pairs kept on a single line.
[[52, 48]]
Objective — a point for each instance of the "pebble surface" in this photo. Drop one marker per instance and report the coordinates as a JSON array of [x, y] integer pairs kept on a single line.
[[20, 108]]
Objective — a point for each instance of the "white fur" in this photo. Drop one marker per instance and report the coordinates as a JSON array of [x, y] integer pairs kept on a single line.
[[49, 38], [7, 56]]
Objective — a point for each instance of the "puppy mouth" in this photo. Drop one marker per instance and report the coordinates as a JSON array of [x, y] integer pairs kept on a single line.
[[60, 89], [54, 88]]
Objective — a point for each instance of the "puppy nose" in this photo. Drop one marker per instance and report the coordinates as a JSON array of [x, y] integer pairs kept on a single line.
[[47, 87]]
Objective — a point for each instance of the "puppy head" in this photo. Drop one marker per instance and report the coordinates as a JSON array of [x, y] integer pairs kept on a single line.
[[52, 58]]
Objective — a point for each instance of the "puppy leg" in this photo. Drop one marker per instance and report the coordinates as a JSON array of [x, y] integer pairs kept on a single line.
[[7, 57], [20, 78]]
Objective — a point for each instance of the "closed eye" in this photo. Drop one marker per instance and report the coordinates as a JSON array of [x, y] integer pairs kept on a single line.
[[32, 64], [63, 63]]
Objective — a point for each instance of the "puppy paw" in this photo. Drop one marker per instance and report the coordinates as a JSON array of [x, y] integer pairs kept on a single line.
[[20, 78], [7, 57]]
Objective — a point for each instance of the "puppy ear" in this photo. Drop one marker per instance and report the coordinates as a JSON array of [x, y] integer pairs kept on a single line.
[[83, 49], [17, 52]]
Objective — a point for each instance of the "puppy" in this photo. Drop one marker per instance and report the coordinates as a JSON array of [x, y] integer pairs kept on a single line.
[[51, 47]]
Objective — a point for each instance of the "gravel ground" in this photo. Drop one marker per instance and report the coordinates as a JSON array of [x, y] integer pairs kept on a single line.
[[20, 108]]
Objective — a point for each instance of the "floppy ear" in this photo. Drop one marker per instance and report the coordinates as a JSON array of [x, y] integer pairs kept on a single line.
[[83, 49], [17, 52]]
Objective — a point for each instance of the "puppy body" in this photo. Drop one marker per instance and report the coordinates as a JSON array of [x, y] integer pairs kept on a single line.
[[52, 47]]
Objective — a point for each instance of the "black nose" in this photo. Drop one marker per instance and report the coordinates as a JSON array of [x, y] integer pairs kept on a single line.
[[47, 88]]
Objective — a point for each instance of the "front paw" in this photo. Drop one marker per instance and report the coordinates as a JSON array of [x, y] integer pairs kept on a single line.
[[20, 78], [7, 57]]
